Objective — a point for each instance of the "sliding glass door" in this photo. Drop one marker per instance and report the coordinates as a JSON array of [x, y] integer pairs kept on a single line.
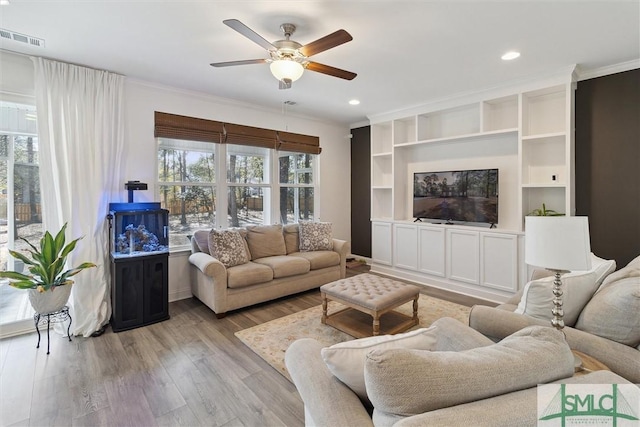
[[20, 213]]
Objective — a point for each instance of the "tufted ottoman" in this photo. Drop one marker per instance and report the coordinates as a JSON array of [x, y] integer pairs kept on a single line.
[[366, 296]]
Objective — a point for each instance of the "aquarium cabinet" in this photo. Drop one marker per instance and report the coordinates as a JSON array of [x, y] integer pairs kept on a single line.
[[139, 243]]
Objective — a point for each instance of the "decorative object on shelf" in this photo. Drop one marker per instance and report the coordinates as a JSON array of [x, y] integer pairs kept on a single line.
[[558, 244], [544, 212], [47, 273]]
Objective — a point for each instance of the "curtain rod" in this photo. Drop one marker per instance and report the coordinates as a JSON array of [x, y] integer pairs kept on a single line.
[[57, 60]]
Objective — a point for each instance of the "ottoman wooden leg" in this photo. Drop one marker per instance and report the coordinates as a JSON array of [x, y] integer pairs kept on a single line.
[[415, 308], [324, 308], [376, 324]]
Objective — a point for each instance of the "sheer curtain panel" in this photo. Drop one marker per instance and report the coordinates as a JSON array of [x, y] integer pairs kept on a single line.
[[81, 134]]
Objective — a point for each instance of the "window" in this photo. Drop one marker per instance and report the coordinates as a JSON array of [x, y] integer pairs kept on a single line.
[[296, 187], [248, 185], [187, 186]]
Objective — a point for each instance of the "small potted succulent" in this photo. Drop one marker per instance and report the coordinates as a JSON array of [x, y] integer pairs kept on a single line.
[[48, 282]]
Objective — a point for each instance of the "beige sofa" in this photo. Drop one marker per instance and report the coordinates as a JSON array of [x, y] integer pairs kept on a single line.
[[606, 326], [464, 380], [276, 267]]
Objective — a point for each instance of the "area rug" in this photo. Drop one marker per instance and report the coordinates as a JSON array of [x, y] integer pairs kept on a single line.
[[271, 339]]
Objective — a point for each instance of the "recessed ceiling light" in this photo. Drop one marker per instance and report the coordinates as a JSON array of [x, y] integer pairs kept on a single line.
[[510, 55], [354, 102], [4, 2]]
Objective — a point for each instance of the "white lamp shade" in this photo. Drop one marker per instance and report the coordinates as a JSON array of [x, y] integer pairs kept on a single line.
[[286, 69], [557, 242]]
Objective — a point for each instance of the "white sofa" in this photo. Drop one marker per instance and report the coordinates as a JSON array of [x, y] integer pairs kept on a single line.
[[276, 267], [464, 379], [603, 323]]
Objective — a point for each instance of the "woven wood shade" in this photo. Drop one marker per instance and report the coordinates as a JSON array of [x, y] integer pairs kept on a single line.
[[194, 129]]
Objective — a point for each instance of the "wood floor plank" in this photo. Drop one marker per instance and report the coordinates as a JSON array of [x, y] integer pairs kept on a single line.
[[17, 380]]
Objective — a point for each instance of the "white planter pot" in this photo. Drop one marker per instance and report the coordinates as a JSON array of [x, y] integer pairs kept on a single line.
[[49, 301]]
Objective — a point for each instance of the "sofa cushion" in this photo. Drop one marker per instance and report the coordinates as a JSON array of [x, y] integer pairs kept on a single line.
[[228, 247], [345, 360], [409, 382], [265, 240], [577, 288], [315, 236], [201, 238], [630, 270], [291, 238], [284, 265], [614, 312], [319, 259], [248, 274]]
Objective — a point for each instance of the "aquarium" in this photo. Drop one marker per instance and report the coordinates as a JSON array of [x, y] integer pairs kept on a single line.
[[138, 229]]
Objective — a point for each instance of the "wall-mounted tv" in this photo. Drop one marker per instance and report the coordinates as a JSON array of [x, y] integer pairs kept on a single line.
[[461, 196]]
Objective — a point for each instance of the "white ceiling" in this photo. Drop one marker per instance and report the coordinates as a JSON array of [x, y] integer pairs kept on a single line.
[[405, 53]]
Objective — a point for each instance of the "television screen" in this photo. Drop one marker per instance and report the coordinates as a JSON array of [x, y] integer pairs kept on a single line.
[[467, 196]]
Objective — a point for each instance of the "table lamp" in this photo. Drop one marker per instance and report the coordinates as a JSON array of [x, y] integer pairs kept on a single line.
[[559, 244]]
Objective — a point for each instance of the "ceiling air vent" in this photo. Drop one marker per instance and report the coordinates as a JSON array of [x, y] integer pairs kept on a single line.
[[22, 38]]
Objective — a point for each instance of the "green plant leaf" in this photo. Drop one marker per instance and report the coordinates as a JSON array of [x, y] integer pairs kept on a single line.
[[14, 275], [23, 284], [60, 238], [21, 257]]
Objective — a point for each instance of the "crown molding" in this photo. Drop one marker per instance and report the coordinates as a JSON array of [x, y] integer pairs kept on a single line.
[[607, 70]]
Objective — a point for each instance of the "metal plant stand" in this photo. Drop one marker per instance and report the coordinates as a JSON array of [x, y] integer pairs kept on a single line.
[[55, 317]]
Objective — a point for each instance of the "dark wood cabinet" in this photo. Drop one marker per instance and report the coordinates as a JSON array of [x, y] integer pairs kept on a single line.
[[139, 291]]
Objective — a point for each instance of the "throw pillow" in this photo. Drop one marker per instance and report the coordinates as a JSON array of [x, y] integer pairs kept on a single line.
[[346, 360], [577, 288], [630, 270], [228, 247], [315, 236], [409, 382], [614, 312], [265, 240]]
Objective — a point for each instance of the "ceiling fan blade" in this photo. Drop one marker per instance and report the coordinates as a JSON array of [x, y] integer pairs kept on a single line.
[[248, 33], [332, 71], [232, 63], [325, 43]]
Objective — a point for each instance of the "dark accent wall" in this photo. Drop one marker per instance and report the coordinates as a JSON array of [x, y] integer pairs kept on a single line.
[[608, 163], [361, 191]]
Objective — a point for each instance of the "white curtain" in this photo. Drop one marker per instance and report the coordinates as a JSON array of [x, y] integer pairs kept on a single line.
[[81, 138]]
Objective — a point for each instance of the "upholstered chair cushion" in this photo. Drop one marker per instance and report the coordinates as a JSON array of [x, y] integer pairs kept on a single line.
[[402, 382], [315, 236], [577, 288], [228, 247], [265, 240]]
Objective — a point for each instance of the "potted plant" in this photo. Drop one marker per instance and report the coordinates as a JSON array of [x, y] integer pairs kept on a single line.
[[47, 272], [544, 212]]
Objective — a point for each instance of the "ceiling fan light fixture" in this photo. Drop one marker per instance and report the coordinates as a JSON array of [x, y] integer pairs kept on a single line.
[[286, 69]]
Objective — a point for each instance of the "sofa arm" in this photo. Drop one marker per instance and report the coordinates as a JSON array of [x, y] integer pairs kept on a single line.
[[208, 265], [327, 400], [209, 281], [342, 247], [497, 324]]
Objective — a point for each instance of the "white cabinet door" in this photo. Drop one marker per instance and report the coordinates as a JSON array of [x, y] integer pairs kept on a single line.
[[463, 256], [406, 246], [431, 250], [499, 261], [381, 243]]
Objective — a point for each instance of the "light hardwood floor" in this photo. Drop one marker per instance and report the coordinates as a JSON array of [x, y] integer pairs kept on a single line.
[[187, 371]]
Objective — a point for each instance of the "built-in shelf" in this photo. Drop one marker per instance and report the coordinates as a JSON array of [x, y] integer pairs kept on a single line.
[[526, 133]]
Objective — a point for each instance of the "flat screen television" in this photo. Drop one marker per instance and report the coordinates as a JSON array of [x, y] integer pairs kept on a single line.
[[463, 196]]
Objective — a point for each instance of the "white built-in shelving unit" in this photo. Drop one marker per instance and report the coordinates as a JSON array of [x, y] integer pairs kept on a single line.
[[525, 131]]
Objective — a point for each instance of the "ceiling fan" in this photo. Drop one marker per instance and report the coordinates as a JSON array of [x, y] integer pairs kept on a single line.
[[287, 58]]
